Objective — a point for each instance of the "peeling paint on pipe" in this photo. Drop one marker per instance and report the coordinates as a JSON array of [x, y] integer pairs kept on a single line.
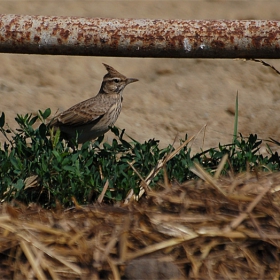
[[139, 37]]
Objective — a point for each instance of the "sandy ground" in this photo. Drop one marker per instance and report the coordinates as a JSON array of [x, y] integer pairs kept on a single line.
[[173, 96]]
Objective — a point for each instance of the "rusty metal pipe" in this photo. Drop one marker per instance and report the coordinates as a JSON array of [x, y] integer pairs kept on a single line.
[[139, 37]]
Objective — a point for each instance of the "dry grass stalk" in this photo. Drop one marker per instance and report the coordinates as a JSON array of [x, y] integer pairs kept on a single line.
[[101, 196], [144, 187], [193, 229]]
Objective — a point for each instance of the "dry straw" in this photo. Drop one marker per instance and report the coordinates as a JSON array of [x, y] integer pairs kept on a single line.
[[204, 229]]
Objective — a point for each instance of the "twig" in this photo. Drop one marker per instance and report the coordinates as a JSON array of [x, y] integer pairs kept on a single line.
[[200, 172], [101, 196], [238, 220], [265, 64]]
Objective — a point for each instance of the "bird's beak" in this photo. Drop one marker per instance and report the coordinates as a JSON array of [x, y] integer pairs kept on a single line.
[[131, 80]]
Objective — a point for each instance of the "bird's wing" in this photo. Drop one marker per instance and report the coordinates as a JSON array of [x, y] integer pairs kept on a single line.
[[82, 113]]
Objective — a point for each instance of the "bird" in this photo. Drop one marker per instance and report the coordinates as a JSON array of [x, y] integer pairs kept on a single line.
[[93, 117]]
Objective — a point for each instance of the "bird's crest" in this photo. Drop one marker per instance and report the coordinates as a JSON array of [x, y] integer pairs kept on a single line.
[[112, 73]]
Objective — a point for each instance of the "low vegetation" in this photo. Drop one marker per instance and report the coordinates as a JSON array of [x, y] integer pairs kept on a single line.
[[37, 167]]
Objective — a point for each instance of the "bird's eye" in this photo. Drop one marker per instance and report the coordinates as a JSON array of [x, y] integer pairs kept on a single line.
[[116, 80]]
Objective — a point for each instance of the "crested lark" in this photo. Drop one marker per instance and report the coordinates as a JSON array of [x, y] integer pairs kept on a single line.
[[93, 117]]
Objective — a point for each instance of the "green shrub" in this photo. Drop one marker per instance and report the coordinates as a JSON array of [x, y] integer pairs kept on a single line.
[[37, 167]]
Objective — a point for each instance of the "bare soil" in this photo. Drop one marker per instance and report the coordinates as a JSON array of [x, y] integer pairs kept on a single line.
[[173, 96]]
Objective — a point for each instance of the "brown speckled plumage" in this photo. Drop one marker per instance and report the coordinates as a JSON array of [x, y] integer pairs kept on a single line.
[[92, 117]]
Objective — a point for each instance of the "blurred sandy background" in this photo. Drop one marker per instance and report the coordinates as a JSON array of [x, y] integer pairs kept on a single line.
[[173, 95]]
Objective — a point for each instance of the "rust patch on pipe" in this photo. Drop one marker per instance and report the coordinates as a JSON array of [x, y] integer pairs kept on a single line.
[[218, 44], [37, 39], [140, 37]]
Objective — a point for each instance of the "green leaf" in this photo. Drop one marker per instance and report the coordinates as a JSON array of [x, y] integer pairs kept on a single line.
[[56, 137], [2, 119], [15, 163], [42, 130], [57, 155], [19, 184], [46, 114], [115, 130], [69, 168], [33, 120]]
